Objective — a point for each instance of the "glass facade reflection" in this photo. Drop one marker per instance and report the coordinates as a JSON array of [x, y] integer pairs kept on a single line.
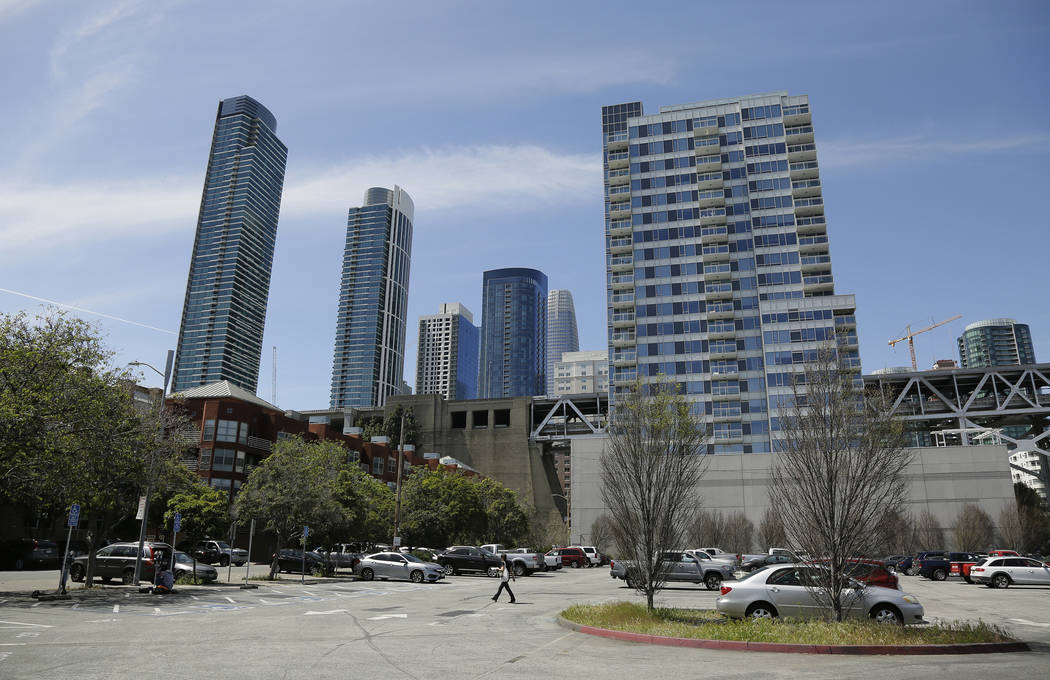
[[220, 336], [996, 342], [513, 359], [562, 333], [447, 353], [369, 361], [718, 270]]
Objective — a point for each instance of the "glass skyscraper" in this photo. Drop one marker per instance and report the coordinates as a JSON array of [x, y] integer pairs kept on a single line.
[[513, 334], [220, 337], [447, 355], [369, 360], [996, 342], [717, 260], [562, 334]]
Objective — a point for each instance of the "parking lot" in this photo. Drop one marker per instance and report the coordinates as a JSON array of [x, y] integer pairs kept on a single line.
[[343, 628]]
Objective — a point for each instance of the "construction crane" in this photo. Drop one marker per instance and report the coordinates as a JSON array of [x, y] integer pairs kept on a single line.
[[910, 337]]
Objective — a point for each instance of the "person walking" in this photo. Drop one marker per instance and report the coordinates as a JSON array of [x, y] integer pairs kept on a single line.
[[504, 577]]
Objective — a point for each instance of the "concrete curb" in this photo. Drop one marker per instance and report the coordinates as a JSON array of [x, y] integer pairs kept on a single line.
[[787, 648]]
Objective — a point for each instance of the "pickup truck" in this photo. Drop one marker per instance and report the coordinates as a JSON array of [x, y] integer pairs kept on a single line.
[[718, 555], [939, 568], [341, 556], [521, 564], [211, 551], [550, 561], [679, 567]]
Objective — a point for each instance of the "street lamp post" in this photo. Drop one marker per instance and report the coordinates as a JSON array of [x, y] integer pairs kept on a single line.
[[568, 513], [149, 479]]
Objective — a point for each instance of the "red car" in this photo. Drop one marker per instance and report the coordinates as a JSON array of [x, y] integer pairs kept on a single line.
[[872, 573], [572, 557]]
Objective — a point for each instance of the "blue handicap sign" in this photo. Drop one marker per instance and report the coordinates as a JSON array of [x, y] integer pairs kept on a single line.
[[306, 531], [74, 515], [178, 522]]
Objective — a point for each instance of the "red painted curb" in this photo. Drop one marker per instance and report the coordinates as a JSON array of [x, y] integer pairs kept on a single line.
[[789, 648]]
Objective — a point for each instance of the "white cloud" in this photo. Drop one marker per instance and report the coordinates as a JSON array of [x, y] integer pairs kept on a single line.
[[95, 24], [11, 8], [848, 153], [501, 179]]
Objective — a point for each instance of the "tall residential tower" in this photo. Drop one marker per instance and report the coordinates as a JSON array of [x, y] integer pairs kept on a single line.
[[220, 337], [513, 334], [996, 342], [562, 334], [447, 355], [717, 260], [369, 360]]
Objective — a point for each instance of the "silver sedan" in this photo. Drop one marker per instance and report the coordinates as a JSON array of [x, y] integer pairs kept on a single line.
[[779, 591], [391, 565]]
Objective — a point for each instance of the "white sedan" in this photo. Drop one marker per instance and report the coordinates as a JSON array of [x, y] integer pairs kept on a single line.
[[779, 591], [1002, 572]]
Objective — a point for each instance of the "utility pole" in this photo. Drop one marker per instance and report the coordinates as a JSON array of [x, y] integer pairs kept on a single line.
[[400, 465]]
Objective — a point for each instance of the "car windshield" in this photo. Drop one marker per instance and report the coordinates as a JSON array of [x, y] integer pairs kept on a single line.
[[486, 552], [223, 545], [183, 558]]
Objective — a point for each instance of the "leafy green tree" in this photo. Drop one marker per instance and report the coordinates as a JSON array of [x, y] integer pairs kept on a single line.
[[506, 519], [441, 508], [204, 512], [297, 485], [390, 426], [368, 503]]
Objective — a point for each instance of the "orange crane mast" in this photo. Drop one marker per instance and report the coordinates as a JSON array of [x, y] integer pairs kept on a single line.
[[910, 337]]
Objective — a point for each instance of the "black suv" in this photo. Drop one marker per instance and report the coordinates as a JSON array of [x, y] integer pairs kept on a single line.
[[468, 558], [291, 560], [117, 560]]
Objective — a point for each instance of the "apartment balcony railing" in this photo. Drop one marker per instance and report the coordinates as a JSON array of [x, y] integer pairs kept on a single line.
[[708, 180], [802, 152], [804, 170], [619, 159], [708, 162], [260, 443], [801, 133]]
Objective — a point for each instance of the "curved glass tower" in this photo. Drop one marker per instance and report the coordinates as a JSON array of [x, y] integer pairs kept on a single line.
[[562, 334], [220, 337], [996, 342], [369, 360], [513, 334]]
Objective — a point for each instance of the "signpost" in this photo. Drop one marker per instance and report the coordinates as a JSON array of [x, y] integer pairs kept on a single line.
[[72, 521], [248, 564], [306, 532], [176, 527]]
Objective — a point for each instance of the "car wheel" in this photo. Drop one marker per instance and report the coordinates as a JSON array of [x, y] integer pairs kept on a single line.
[[966, 577], [910, 571], [519, 569], [713, 581], [761, 610], [367, 574], [575, 565], [128, 577], [448, 569], [76, 572], [939, 575], [630, 583], [417, 576], [1001, 581], [886, 613], [224, 561]]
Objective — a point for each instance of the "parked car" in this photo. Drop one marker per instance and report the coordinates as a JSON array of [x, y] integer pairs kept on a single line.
[[911, 567], [893, 562], [1003, 553], [679, 566], [762, 561], [719, 555], [117, 560], [572, 557], [341, 555], [212, 551], [389, 565], [1002, 572], [28, 553], [291, 560], [940, 568], [521, 563], [460, 558], [185, 566], [551, 560], [594, 558], [781, 592]]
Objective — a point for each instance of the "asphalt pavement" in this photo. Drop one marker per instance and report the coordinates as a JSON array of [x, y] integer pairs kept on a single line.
[[339, 628]]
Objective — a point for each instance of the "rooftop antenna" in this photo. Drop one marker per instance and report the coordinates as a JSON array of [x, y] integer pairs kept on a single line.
[[273, 381]]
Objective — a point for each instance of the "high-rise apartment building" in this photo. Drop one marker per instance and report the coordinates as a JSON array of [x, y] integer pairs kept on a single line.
[[996, 342], [580, 373], [369, 360], [447, 355], [717, 260], [220, 337], [562, 334], [513, 359]]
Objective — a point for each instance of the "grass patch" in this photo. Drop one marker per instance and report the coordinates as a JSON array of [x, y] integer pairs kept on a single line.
[[708, 624]]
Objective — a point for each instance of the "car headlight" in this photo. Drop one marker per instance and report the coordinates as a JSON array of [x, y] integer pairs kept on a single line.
[[910, 598]]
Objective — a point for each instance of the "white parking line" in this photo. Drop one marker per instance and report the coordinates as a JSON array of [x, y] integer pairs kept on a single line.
[[116, 609], [231, 600], [1026, 622], [12, 644], [18, 623]]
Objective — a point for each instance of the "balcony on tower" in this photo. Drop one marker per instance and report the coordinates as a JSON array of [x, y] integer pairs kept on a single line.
[[622, 299], [720, 310], [709, 180], [621, 245], [722, 349], [621, 281], [715, 253], [709, 163], [718, 291], [619, 159], [625, 357], [718, 271], [818, 283], [621, 263], [620, 177], [804, 188], [619, 227], [705, 127], [800, 134], [721, 330], [623, 337], [801, 152], [615, 141], [712, 216], [809, 206], [814, 263], [813, 244], [620, 209], [797, 115], [711, 197], [804, 170], [623, 319], [717, 234]]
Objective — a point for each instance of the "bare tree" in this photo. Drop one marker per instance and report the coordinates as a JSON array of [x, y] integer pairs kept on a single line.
[[707, 529], [896, 533], [771, 532], [973, 529], [929, 532], [740, 533], [602, 532], [840, 464], [649, 476], [1011, 531]]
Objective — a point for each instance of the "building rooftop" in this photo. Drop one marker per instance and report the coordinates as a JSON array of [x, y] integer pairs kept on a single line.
[[223, 388]]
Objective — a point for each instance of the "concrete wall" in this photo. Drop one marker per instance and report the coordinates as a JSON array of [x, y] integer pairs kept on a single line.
[[942, 480]]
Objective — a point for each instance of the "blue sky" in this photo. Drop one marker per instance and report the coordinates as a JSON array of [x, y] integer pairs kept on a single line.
[[931, 120]]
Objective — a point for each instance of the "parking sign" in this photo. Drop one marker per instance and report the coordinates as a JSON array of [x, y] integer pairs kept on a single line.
[[178, 522], [74, 515]]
